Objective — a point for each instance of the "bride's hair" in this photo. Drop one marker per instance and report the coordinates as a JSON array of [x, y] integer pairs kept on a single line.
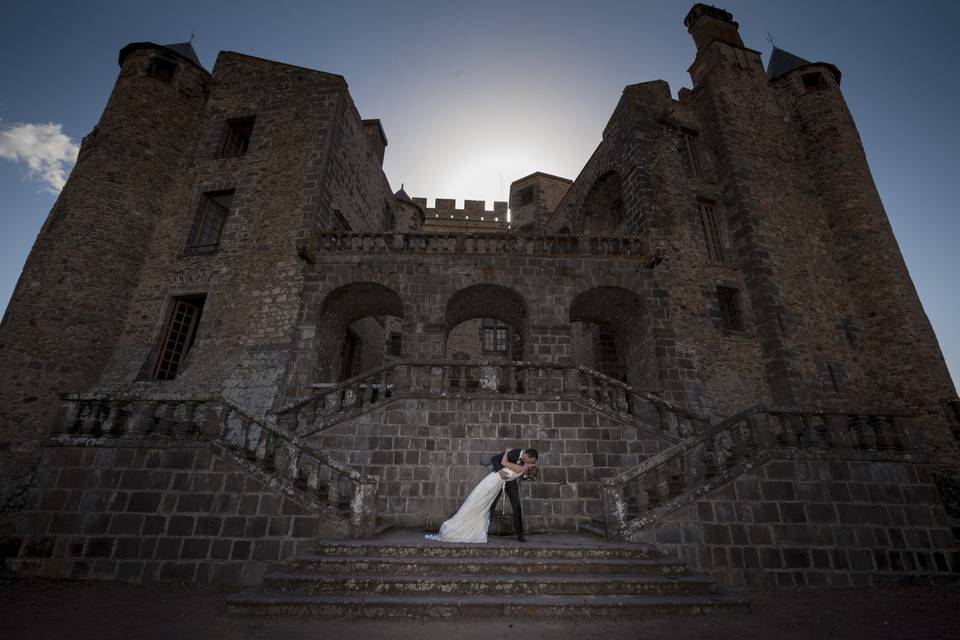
[[533, 453]]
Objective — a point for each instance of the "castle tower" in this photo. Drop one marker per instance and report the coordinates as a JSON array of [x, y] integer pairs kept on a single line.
[[533, 198], [838, 319], [68, 306]]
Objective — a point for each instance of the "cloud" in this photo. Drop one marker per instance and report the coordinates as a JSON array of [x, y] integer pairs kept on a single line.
[[44, 148]]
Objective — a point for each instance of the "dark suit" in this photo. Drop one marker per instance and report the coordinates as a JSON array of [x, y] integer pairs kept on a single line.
[[512, 489]]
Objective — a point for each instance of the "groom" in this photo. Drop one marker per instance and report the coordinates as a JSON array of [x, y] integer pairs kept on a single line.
[[527, 458]]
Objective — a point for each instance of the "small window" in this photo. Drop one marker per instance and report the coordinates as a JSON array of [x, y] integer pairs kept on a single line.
[[162, 69], [496, 336], [814, 82], [731, 310], [349, 351], [388, 220], [394, 346], [525, 196], [210, 221], [691, 142], [236, 141], [178, 335], [711, 230]]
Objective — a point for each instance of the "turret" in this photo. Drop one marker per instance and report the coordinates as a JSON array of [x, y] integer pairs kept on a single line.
[[68, 307], [707, 23]]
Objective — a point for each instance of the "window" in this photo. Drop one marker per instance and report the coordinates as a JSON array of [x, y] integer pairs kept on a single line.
[[236, 141], [731, 312], [388, 220], [525, 196], [814, 82], [162, 69], [691, 142], [348, 354], [178, 335], [210, 221], [394, 346], [496, 336], [711, 230]]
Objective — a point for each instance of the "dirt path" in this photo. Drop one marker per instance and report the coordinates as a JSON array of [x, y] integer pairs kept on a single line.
[[35, 609]]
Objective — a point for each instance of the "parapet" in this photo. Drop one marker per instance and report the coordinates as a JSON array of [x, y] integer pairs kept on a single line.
[[473, 210]]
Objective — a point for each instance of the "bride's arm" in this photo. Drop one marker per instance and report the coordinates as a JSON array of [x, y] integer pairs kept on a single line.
[[516, 468]]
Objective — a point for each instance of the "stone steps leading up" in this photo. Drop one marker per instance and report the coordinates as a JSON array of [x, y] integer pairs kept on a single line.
[[471, 585], [402, 575], [426, 566], [498, 549], [579, 606]]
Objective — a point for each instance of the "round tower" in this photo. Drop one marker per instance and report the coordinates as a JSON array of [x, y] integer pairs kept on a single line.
[[69, 304], [889, 335]]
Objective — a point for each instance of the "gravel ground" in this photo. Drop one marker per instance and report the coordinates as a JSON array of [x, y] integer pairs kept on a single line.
[[35, 608]]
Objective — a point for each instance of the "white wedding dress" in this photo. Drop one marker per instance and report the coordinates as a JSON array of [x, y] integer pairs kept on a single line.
[[472, 520]]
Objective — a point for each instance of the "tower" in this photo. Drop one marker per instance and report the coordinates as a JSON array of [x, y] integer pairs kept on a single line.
[[68, 305]]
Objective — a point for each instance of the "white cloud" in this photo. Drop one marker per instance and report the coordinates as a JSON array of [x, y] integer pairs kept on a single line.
[[44, 148]]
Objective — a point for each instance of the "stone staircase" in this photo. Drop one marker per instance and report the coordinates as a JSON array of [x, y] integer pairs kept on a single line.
[[556, 575]]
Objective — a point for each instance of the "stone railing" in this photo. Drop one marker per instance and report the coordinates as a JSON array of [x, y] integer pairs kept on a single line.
[[346, 242], [695, 466], [324, 480], [333, 403]]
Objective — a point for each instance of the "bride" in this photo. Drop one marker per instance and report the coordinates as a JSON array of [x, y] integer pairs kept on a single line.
[[472, 520]]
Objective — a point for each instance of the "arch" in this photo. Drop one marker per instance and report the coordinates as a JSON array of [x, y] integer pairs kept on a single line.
[[623, 323], [358, 300], [491, 301], [603, 207], [348, 318]]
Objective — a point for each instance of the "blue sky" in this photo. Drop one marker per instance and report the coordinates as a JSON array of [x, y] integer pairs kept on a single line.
[[473, 95]]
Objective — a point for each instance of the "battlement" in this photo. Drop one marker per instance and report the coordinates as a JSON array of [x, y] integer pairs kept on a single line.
[[473, 210]]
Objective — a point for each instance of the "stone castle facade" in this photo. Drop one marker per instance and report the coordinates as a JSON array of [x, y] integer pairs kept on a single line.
[[241, 338]]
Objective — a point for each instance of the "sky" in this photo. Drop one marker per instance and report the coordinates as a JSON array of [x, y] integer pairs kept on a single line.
[[473, 95]]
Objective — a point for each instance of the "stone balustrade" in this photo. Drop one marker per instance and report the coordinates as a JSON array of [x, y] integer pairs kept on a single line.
[[274, 453], [690, 468], [335, 242], [333, 403]]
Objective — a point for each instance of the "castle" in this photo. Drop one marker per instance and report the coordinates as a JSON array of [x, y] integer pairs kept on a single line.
[[233, 337]]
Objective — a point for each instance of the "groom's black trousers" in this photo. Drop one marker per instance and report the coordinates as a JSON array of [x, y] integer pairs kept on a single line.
[[512, 489]]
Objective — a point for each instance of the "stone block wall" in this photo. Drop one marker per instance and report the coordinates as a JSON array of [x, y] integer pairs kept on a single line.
[[160, 510], [429, 454], [817, 522]]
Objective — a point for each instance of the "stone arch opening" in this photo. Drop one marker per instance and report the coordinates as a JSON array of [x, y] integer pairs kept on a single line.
[[613, 334], [603, 208], [358, 330], [485, 322]]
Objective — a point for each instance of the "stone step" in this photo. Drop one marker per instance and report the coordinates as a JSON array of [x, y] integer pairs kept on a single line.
[[489, 585], [432, 566], [571, 606], [530, 551]]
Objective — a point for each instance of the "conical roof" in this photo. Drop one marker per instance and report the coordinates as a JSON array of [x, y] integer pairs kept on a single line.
[[402, 195], [182, 50], [782, 62], [185, 49]]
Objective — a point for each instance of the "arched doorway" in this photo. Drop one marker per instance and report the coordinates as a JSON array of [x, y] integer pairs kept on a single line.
[[485, 323], [613, 334], [358, 330], [603, 208]]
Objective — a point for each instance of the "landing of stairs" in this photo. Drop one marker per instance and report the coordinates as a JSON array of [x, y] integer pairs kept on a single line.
[[403, 575]]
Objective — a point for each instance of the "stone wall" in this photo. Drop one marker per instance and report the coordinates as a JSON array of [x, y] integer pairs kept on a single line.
[[817, 522], [67, 310], [474, 217], [547, 191], [429, 454], [162, 510]]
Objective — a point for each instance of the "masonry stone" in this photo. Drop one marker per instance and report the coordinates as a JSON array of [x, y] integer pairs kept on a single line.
[[232, 336]]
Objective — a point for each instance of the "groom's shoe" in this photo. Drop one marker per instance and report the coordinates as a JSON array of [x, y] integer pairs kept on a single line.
[[520, 538]]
